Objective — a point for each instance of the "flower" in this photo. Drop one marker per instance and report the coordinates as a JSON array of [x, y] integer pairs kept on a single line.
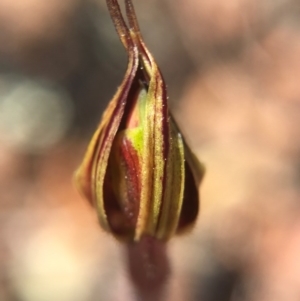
[[138, 171]]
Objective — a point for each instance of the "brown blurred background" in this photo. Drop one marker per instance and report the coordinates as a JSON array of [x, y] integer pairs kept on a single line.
[[233, 74]]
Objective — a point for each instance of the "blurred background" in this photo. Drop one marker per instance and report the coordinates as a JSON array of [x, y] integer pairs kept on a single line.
[[233, 75]]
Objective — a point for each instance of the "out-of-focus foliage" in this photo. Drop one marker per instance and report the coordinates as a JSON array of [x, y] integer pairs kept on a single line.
[[232, 69]]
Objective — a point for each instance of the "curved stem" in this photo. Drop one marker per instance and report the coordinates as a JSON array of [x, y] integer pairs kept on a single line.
[[146, 56], [132, 19], [120, 25]]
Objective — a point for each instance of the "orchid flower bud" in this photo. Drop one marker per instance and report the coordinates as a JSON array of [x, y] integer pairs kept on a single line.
[[138, 171]]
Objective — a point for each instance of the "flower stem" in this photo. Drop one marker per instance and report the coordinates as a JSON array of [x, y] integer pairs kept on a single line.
[[149, 268]]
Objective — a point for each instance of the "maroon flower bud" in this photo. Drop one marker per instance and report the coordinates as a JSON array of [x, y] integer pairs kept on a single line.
[[137, 170]]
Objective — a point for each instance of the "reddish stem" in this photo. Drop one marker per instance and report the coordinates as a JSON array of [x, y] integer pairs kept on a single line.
[[149, 268]]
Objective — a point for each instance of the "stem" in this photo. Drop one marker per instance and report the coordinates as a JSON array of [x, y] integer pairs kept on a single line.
[[120, 24], [149, 268]]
